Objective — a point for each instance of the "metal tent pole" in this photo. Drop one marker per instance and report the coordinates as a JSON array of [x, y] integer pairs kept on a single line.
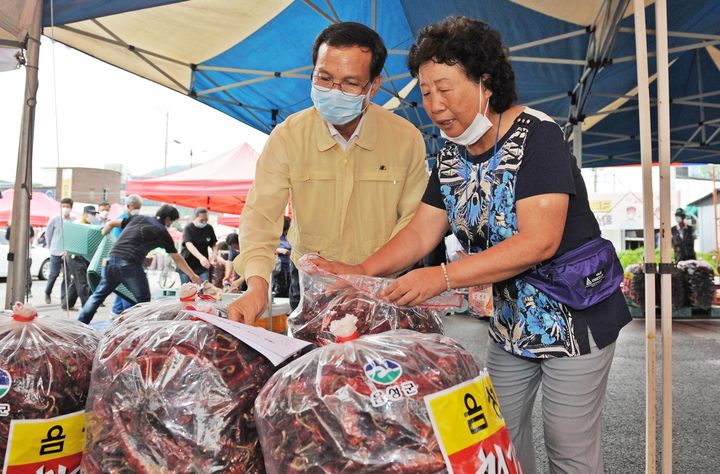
[[577, 145], [663, 112], [649, 232], [715, 216], [19, 252]]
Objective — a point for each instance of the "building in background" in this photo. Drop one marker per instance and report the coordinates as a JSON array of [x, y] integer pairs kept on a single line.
[[620, 216], [90, 185]]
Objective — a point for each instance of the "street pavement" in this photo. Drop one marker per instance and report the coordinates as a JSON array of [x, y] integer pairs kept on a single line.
[[696, 387]]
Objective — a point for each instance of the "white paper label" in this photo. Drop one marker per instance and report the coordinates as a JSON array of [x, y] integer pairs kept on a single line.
[[276, 347]]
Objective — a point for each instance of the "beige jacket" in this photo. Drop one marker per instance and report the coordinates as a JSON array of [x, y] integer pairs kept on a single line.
[[345, 205]]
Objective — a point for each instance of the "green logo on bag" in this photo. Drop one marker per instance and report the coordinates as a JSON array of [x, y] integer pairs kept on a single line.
[[5, 382], [383, 371]]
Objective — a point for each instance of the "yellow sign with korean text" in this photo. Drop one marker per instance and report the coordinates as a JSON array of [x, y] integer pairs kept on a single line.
[[55, 444], [470, 429]]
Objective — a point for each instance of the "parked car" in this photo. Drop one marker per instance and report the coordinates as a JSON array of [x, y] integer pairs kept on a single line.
[[40, 267]]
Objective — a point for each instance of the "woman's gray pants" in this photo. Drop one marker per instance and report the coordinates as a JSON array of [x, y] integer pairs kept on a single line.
[[573, 396]]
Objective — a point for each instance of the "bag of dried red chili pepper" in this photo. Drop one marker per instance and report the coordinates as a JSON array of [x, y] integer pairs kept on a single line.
[[358, 406], [168, 308], [326, 297], [173, 394], [45, 368]]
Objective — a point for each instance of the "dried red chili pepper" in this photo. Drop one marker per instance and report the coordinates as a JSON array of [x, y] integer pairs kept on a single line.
[[46, 363], [327, 298], [173, 394], [320, 413]]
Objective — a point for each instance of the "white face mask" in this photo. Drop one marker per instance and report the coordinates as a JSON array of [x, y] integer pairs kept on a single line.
[[66, 211], [103, 214], [679, 219], [135, 212], [479, 126]]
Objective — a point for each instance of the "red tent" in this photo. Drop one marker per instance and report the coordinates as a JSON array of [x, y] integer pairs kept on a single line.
[[230, 220], [42, 208], [220, 185]]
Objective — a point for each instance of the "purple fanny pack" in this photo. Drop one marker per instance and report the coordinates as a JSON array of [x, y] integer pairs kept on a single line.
[[582, 277]]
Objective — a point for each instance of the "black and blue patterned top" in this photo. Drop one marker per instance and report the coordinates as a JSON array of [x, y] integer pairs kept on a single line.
[[479, 194]]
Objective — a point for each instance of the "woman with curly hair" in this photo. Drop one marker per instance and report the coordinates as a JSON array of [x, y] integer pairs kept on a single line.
[[509, 189]]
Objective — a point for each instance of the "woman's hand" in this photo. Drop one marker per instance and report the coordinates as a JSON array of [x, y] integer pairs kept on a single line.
[[416, 287], [338, 268]]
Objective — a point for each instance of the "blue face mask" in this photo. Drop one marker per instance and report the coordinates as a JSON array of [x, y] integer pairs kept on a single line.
[[335, 107], [200, 225]]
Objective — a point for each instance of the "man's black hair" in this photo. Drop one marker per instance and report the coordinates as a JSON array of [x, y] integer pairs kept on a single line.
[[350, 33], [166, 210], [66, 201], [232, 239]]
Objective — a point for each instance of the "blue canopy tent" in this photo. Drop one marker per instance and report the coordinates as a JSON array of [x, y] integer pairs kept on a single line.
[[574, 62]]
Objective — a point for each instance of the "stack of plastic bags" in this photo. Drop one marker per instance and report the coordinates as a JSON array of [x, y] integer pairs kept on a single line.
[[172, 393], [44, 377]]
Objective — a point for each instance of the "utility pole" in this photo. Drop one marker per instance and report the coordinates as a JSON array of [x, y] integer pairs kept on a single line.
[[167, 123]]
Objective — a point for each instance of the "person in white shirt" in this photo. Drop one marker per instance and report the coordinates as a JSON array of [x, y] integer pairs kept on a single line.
[[103, 213], [54, 238]]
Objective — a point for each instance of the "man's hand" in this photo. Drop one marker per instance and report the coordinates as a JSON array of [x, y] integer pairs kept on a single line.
[[251, 304], [338, 268], [204, 262], [416, 287], [195, 278]]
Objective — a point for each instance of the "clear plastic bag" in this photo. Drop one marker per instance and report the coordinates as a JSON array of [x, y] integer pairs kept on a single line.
[[700, 286], [168, 308], [45, 367], [170, 393], [326, 297], [358, 406]]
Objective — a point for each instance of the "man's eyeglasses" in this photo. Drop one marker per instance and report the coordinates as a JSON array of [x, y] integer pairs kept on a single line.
[[325, 83]]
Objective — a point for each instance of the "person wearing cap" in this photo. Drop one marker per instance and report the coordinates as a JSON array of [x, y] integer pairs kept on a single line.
[[89, 213], [683, 238], [78, 265]]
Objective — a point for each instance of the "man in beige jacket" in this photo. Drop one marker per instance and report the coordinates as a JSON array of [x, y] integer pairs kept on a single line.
[[355, 171]]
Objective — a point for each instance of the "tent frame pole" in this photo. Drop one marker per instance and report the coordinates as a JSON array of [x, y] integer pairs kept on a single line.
[[715, 216], [643, 80], [663, 114], [577, 145], [602, 38], [701, 91], [19, 250]]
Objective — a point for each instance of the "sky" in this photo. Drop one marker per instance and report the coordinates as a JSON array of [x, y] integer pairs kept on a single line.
[[90, 113]]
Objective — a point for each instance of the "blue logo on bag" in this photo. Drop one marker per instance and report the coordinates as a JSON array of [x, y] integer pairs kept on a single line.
[[5, 382], [383, 371]]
